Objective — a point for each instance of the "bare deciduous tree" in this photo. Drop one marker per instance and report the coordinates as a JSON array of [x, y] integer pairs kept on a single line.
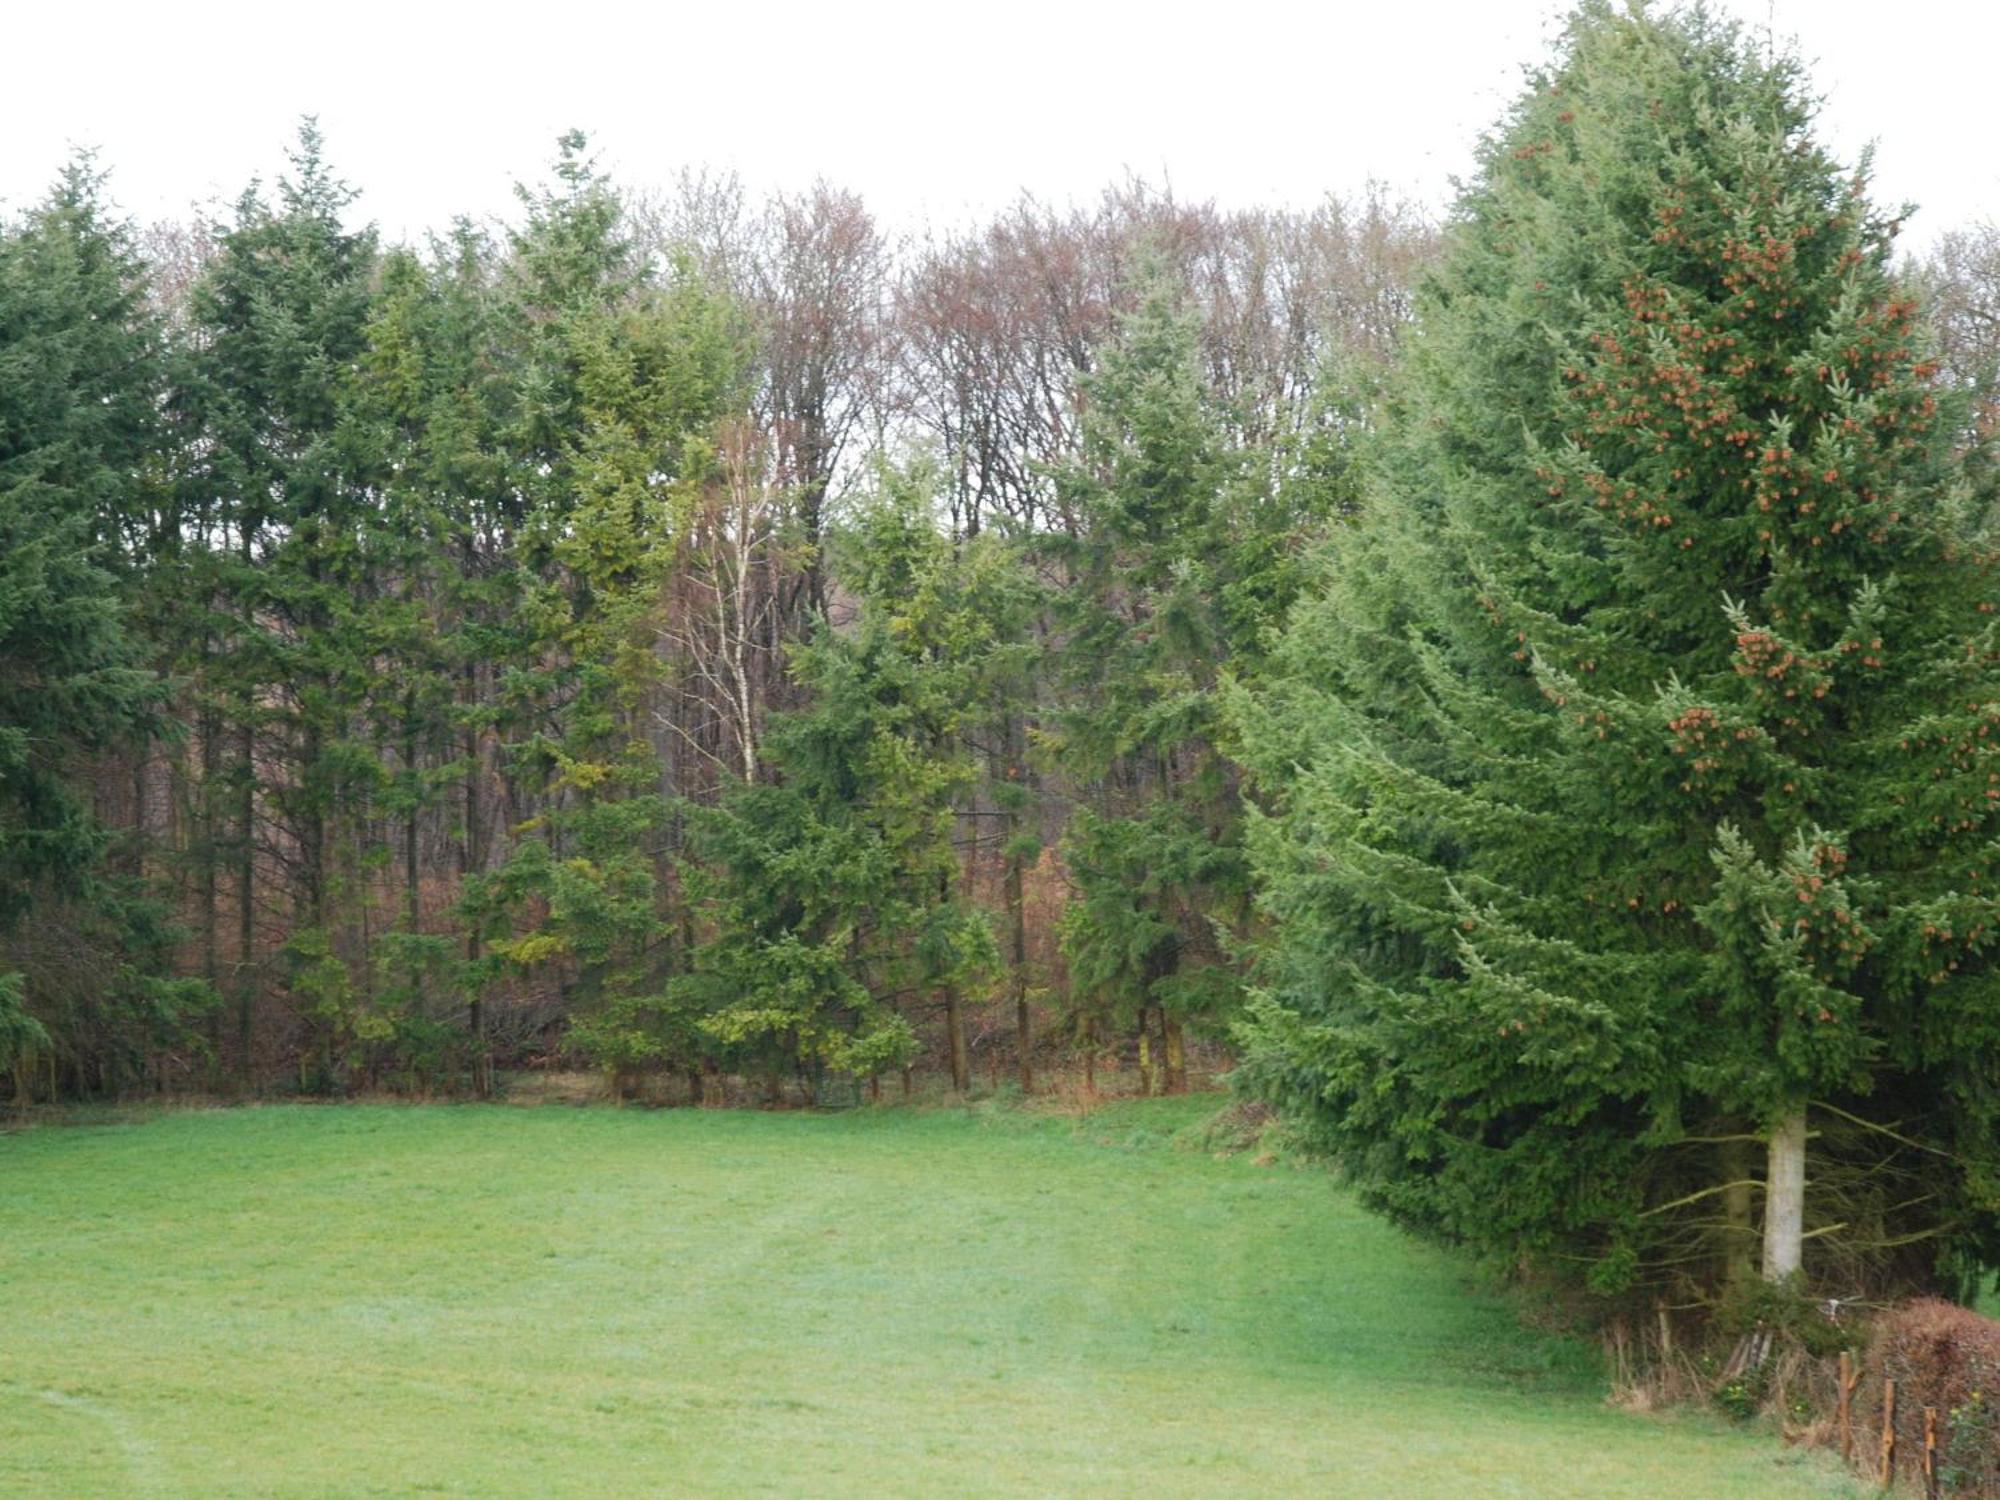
[[999, 324], [726, 592], [1961, 280]]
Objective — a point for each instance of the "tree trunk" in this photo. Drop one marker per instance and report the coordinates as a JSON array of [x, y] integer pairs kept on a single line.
[[139, 800], [311, 907], [954, 1025], [1176, 1048], [1785, 1197], [475, 1025], [1024, 1037], [1017, 917], [413, 910], [246, 906], [1024, 1043], [471, 861], [1146, 1052], [1739, 1246], [309, 903], [211, 906]]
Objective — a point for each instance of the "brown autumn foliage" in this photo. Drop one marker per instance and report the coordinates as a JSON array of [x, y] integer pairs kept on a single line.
[[1945, 1357]]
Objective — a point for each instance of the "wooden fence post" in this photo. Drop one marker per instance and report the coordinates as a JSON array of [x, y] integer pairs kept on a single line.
[[1847, 1379], [1888, 1433], [1930, 1453]]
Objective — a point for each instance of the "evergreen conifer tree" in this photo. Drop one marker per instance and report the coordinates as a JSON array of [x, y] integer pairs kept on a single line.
[[286, 482], [80, 493], [1633, 770], [1183, 553], [619, 376]]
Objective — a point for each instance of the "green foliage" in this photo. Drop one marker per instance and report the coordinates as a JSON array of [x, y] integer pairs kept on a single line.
[[614, 385], [82, 954], [97, 1002], [283, 479], [1180, 553], [21, 1035], [1786, 1308], [1742, 1396], [76, 387], [1629, 768], [433, 394], [1972, 1436], [829, 898]]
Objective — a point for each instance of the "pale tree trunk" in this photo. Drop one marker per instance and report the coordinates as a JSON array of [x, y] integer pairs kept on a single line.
[[1785, 1196], [1784, 1227], [723, 627]]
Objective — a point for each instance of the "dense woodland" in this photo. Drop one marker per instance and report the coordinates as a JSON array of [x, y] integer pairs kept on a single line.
[[1522, 681], [672, 632]]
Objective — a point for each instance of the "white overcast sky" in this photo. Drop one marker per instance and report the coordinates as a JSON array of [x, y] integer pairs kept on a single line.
[[933, 112]]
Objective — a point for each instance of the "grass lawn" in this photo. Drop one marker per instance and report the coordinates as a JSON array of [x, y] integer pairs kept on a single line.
[[483, 1301]]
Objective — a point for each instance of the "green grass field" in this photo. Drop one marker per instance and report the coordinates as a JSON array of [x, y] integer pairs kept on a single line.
[[481, 1301]]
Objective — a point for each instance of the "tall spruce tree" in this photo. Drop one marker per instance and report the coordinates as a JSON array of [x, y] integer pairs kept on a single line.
[[619, 376], [423, 397], [287, 485], [1634, 779], [438, 382], [1183, 554], [74, 425], [79, 496]]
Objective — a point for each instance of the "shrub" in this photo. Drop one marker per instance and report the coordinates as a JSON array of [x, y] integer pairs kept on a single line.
[[1946, 1356]]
